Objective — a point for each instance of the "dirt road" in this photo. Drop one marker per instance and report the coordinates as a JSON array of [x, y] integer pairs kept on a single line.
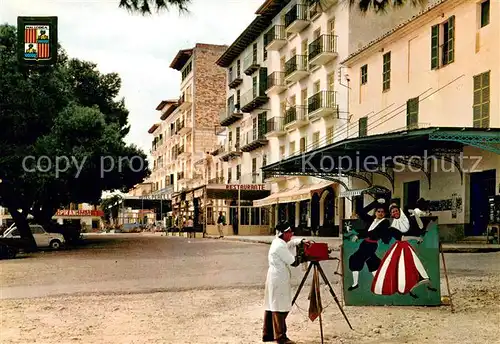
[[145, 289]]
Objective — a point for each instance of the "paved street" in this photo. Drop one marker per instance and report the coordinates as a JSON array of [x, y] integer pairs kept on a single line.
[[136, 288]]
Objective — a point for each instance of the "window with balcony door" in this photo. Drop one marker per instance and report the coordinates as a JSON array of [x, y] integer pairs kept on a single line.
[[304, 47], [282, 63], [364, 74], [254, 170], [481, 101], [237, 142], [254, 53], [302, 144], [316, 33], [238, 97], [238, 68], [316, 87], [443, 43], [363, 126], [331, 27], [282, 152], [330, 86], [303, 96]]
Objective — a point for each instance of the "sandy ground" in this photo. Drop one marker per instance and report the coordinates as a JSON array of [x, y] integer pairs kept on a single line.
[[230, 313]]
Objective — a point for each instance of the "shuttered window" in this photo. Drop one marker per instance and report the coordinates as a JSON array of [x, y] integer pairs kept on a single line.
[[485, 13], [329, 135], [302, 144], [364, 74], [481, 106], [449, 41], [412, 113], [363, 126], [435, 47], [386, 74], [316, 139]]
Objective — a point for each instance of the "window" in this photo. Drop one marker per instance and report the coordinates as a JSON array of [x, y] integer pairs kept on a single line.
[[329, 135], [481, 105], [254, 170], [364, 74], [237, 144], [363, 126], [412, 113], [386, 74], [316, 139], [238, 68], [302, 144], [330, 86], [303, 96], [238, 96], [229, 175], [485, 13], [291, 148], [304, 47], [316, 87], [238, 172], [187, 69], [443, 43], [264, 160], [282, 151]]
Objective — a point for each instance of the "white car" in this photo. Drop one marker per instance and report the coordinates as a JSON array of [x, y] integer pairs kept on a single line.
[[42, 238]]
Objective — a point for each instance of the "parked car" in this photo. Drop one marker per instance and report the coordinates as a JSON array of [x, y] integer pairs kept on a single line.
[[42, 238], [7, 251]]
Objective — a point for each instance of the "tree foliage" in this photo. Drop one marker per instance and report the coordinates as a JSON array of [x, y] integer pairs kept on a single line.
[[69, 114], [146, 7]]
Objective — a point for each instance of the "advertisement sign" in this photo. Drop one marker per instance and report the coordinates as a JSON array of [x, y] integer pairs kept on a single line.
[[93, 213], [395, 270]]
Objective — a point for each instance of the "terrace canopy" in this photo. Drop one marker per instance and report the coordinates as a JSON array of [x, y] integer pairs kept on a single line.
[[380, 154]]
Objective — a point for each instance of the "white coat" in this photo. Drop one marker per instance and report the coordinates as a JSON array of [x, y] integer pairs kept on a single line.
[[278, 292]]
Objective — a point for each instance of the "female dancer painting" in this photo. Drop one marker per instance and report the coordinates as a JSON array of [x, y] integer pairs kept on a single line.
[[401, 271]]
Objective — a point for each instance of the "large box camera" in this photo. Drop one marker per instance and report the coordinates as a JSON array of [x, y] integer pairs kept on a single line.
[[313, 252]]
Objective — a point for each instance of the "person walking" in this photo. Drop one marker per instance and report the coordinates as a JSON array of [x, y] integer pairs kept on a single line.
[[190, 227], [221, 222]]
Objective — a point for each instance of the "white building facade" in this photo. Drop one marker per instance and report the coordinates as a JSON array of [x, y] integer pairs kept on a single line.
[[440, 69], [287, 94]]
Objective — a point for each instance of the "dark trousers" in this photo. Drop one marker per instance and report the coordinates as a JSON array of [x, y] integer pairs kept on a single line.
[[365, 255], [274, 326]]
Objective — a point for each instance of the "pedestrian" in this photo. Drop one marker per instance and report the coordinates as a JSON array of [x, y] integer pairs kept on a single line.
[[190, 227], [278, 291], [221, 222]]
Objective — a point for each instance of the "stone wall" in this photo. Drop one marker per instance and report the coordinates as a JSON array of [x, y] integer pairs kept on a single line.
[[209, 86]]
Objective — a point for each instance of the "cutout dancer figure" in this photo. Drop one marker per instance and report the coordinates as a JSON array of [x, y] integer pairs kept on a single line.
[[366, 253]]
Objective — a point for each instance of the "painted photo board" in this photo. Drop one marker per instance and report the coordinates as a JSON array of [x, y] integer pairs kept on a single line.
[[37, 40], [394, 271]]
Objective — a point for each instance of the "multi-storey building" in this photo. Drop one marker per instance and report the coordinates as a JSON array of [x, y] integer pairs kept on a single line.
[[186, 130], [440, 69], [287, 95]]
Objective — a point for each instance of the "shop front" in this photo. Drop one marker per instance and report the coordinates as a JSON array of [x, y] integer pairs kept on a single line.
[[234, 201]]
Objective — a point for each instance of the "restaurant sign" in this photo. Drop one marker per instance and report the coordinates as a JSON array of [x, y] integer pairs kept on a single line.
[[93, 213], [257, 187]]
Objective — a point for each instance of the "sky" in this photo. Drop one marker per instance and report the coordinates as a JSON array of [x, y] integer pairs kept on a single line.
[[138, 48]]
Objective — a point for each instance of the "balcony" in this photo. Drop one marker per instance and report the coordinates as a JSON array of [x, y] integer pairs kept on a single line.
[[235, 79], [180, 176], [229, 116], [179, 125], [254, 139], [296, 68], [295, 117], [180, 150], [233, 151], [275, 127], [216, 180], [254, 98], [275, 38], [322, 50], [186, 127], [184, 102], [186, 151], [276, 83], [250, 63], [323, 104], [218, 149], [296, 19]]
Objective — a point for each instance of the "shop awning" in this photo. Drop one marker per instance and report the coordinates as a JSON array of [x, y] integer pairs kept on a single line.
[[296, 194]]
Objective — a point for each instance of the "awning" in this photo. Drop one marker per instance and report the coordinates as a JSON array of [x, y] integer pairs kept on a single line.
[[296, 194]]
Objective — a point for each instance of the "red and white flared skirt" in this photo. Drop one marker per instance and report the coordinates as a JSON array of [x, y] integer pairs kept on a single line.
[[400, 271]]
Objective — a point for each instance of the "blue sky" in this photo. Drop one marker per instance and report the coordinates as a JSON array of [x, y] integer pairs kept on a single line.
[[139, 48]]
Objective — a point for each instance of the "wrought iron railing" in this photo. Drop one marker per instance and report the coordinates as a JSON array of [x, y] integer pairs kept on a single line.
[[296, 63], [297, 12], [295, 113], [322, 44], [276, 79], [277, 32], [274, 124], [320, 100]]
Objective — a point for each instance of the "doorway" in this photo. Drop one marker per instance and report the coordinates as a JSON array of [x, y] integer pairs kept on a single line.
[[482, 186], [411, 193]]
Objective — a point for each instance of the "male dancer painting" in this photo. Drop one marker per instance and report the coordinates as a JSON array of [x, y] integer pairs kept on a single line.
[[377, 229]]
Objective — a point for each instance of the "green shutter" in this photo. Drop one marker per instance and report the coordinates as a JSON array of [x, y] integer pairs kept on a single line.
[[412, 113], [481, 101], [262, 81], [451, 39], [363, 127], [435, 47]]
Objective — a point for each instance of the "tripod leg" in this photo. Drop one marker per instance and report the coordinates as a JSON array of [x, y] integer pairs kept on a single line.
[[333, 294], [302, 283], [317, 301], [446, 276]]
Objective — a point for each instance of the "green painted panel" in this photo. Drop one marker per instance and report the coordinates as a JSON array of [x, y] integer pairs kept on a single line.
[[427, 252]]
